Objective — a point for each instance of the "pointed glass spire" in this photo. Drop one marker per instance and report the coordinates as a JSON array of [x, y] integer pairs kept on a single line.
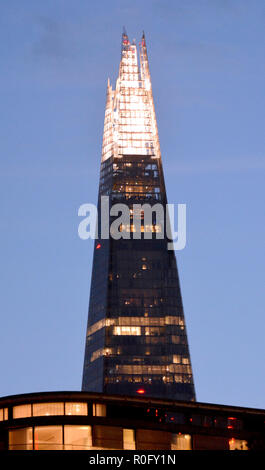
[[131, 110]]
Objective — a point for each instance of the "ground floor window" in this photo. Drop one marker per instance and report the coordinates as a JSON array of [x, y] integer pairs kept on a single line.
[[21, 439], [181, 442], [238, 444], [99, 437], [77, 437]]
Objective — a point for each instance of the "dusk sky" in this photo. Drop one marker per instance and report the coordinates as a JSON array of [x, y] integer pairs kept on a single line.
[[207, 67]]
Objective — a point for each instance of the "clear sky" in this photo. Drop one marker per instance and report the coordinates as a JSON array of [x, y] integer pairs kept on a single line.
[[207, 67]]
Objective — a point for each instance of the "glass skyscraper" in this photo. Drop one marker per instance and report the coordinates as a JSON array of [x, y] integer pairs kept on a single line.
[[136, 340]]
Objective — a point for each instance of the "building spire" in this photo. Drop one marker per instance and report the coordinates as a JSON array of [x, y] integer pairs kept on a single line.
[[144, 59], [131, 172], [143, 39], [124, 39]]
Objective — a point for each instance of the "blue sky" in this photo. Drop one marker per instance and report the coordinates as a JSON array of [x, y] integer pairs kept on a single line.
[[207, 67]]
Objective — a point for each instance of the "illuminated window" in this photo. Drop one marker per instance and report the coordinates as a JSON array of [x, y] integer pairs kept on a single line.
[[181, 442], [96, 354], [176, 359], [127, 330], [75, 408], [238, 444], [174, 320], [128, 439], [100, 324], [3, 414], [22, 411], [140, 369], [20, 439], [99, 409], [48, 438], [47, 409], [185, 360], [77, 437]]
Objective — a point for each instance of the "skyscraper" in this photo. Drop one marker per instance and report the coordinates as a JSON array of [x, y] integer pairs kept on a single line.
[[136, 339]]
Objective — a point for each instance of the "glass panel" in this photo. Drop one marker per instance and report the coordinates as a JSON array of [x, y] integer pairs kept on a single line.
[[181, 442], [108, 437], [1, 414], [99, 409], [5, 413], [48, 438], [150, 439], [238, 444], [77, 437], [20, 439], [76, 408], [47, 409], [129, 439], [22, 411]]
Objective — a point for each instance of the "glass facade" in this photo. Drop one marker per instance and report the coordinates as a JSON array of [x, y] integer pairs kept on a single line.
[[79, 437], [102, 421], [136, 338]]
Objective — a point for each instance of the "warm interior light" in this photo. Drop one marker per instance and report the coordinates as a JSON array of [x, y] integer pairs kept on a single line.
[[141, 391]]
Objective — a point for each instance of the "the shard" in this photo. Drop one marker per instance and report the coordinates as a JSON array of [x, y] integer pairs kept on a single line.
[[136, 341]]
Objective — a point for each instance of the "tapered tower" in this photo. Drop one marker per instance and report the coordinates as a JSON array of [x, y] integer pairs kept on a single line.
[[136, 340]]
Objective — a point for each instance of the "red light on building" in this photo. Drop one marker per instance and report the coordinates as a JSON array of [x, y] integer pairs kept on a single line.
[[98, 246], [141, 391]]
